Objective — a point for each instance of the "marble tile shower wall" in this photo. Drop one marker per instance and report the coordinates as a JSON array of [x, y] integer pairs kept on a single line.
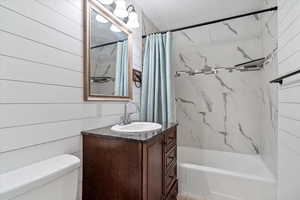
[[223, 111], [269, 130]]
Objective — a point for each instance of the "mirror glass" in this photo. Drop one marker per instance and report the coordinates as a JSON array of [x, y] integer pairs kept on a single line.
[[109, 58]]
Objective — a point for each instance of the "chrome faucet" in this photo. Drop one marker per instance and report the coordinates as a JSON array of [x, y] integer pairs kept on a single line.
[[126, 118]]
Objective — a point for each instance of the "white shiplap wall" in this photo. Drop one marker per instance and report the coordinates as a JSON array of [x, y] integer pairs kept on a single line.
[[289, 101], [41, 105]]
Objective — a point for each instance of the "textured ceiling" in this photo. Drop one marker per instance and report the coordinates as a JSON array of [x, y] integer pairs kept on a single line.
[[170, 14]]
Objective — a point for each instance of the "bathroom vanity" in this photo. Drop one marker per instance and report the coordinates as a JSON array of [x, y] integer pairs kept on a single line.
[[130, 166]]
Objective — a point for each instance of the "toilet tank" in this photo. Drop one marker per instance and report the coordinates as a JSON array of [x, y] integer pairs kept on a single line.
[[52, 179]]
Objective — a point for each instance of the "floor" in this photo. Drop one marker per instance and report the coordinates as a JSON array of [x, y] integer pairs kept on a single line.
[[185, 197]]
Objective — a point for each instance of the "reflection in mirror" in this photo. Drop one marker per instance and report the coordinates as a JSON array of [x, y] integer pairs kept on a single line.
[[109, 54]]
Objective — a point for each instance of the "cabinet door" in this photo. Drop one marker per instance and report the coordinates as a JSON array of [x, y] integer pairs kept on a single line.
[[153, 170], [111, 169]]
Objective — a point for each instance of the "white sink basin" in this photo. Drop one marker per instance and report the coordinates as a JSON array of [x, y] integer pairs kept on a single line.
[[136, 127]]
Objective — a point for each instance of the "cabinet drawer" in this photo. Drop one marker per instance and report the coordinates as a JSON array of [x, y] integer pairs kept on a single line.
[[170, 177], [170, 139], [173, 192], [170, 157]]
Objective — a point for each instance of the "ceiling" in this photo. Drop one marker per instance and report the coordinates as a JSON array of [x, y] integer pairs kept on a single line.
[[170, 14]]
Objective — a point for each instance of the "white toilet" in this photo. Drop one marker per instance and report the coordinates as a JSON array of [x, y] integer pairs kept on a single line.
[[53, 179]]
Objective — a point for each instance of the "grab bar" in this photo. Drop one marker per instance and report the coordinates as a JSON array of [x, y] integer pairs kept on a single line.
[[280, 79]]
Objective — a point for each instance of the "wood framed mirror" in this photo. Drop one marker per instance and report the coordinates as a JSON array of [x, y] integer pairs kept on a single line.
[[107, 55]]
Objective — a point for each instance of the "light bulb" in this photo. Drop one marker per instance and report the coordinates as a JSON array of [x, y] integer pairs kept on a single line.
[[101, 19], [120, 10], [133, 21], [106, 2], [115, 29]]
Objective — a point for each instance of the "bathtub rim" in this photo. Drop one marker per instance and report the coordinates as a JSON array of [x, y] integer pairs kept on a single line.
[[270, 177], [226, 172]]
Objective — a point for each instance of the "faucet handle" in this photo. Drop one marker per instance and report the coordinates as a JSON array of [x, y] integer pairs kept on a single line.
[[122, 121], [127, 118]]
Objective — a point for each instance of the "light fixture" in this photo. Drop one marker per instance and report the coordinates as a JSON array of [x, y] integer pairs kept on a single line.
[[133, 21], [106, 2], [120, 10], [101, 19], [115, 29]]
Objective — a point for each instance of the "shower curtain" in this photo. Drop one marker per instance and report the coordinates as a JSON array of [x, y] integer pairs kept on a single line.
[[157, 101], [121, 80]]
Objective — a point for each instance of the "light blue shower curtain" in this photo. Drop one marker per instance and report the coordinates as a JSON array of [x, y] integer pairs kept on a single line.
[[156, 99], [121, 81]]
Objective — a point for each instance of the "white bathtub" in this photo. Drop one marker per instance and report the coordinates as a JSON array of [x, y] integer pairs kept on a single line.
[[217, 175]]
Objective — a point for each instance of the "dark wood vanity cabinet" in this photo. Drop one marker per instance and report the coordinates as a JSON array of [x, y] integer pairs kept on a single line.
[[125, 169]]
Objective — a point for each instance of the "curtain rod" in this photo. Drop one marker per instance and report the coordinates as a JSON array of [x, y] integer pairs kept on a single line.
[[107, 44], [202, 24]]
